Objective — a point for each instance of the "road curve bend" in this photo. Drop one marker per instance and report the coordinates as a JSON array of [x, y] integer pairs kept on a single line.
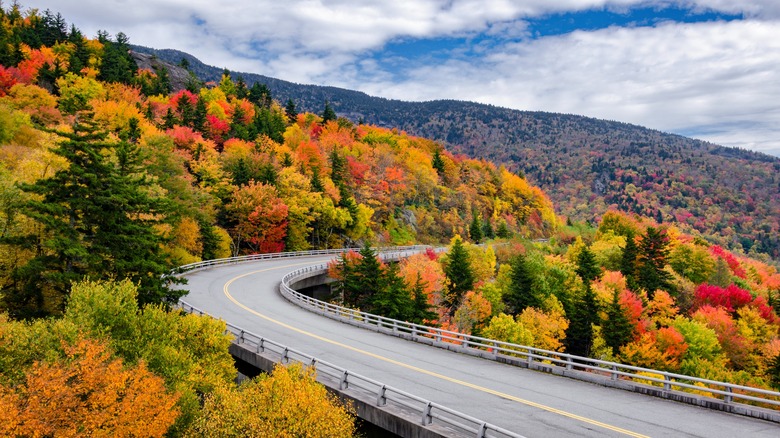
[[528, 402]]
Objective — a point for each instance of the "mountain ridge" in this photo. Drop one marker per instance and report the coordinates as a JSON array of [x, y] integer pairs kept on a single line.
[[588, 166]]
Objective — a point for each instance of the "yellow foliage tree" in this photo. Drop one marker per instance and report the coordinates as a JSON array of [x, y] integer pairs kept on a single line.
[[289, 403], [87, 394]]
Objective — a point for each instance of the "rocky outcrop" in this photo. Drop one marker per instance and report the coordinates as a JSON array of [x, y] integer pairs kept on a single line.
[[178, 75]]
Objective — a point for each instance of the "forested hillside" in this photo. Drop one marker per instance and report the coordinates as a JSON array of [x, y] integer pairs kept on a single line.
[[106, 171], [587, 166], [110, 177]]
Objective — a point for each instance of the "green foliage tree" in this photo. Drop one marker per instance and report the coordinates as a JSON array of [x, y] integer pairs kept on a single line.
[[98, 220], [422, 310], [291, 111], [475, 229], [521, 293], [438, 162], [460, 277], [587, 267], [583, 311], [328, 114], [653, 252], [393, 300], [617, 330], [117, 65], [629, 260]]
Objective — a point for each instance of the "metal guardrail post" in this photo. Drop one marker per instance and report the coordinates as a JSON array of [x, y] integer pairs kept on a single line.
[[667, 384], [427, 418], [343, 384], [482, 431], [728, 398], [614, 373], [285, 358], [381, 399]]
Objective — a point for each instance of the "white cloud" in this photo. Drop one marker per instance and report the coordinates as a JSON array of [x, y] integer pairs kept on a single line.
[[675, 77]]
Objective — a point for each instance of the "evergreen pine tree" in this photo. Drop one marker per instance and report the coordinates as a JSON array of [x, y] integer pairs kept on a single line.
[[628, 262], [328, 114], [475, 229], [460, 277], [392, 300], [521, 293], [502, 231], [487, 230], [369, 278], [583, 313], [199, 117], [289, 109], [587, 268], [652, 259], [617, 329], [117, 65], [422, 310], [438, 162], [98, 222]]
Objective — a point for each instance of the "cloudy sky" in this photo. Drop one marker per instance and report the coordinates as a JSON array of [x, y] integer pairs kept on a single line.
[[708, 69]]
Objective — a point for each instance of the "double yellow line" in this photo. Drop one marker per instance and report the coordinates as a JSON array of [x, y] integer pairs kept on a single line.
[[226, 289]]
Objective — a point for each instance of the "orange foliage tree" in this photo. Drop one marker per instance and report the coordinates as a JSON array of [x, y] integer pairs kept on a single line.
[[87, 393]]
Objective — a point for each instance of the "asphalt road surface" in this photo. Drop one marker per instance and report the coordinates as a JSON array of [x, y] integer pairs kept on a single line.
[[530, 403]]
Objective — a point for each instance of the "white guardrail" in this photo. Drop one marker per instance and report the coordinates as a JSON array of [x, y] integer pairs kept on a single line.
[[428, 410]]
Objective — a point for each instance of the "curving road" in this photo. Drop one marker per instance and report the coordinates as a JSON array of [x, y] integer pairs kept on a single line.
[[531, 403]]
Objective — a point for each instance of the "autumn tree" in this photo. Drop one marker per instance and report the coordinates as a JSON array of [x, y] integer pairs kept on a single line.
[[87, 392], [289, 402]]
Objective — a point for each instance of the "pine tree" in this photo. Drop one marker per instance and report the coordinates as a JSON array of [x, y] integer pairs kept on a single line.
[[289, 109], [199, 117], [582, 315], [460, 277], [392, 300], [117, 64], [587, 268], [475, 229], [502, 231], [422, 310], [487, 230], [628, 262], [652, 259], [520, 294], [617, 329], [98, 222], [328, 114], [438, 162]]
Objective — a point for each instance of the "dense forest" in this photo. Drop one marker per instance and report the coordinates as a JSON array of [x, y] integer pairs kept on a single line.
[[727, 196], [115, 169]]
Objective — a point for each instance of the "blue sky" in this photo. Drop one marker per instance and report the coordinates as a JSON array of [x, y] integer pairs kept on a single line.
[[703, 68]]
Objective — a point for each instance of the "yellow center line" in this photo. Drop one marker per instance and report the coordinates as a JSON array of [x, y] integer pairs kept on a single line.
[[414, 368]]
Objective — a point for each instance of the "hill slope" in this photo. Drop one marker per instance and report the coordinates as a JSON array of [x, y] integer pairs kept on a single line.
[[729, 196]]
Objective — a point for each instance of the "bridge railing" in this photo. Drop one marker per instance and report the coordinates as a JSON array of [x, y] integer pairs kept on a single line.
[[279, 255], [384, 395], [531, 357]]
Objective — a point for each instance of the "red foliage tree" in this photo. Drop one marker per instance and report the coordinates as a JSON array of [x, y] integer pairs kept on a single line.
[[730, 298]]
